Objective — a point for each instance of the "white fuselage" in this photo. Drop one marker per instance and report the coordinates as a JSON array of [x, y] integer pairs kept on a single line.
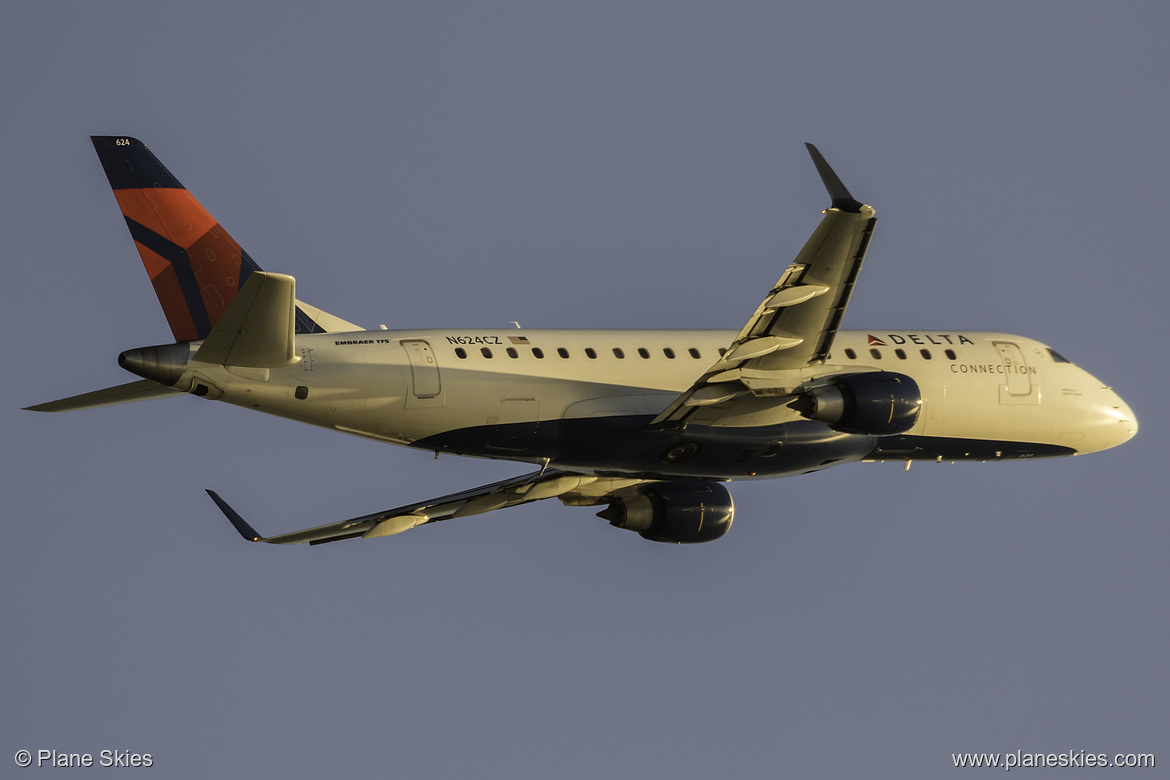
[[581, 399]]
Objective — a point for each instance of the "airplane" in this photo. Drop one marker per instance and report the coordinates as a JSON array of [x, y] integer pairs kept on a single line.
[[648, 424]]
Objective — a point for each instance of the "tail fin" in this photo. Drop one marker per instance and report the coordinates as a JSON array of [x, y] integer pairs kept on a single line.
[[195, 266]]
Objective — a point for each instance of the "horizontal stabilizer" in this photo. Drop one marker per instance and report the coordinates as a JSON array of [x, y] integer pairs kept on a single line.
[[257, 329], [142, 390], [319, 321]]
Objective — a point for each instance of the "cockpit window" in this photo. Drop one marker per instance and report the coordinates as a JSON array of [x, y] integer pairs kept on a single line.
[[1057, 357]]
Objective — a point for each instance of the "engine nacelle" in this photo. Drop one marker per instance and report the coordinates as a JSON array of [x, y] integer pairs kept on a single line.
[[875, 403], [678, 512]]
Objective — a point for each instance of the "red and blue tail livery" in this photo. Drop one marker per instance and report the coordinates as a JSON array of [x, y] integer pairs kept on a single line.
[[195, 265]]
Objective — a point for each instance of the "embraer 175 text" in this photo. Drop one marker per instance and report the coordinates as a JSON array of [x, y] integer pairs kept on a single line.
[[646, 423]]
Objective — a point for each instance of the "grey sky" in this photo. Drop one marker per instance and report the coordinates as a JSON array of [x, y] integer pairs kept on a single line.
[[615, 165]]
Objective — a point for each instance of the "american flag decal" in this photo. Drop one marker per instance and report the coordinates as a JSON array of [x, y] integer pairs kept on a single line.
[[874, 341], [518, 339]]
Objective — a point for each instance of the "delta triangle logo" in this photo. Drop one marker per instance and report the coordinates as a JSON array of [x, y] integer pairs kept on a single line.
[[874, 341]]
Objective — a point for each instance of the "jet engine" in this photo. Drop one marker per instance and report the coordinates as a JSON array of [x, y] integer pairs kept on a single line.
[[874, 403], [678, 512]]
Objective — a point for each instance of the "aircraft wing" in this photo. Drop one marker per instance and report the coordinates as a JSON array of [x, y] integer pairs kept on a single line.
[[794, 326], [548, 483]]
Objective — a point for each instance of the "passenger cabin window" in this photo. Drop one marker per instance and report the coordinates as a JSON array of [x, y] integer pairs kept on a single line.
[[512, 353], [694, 353], [590, 353], [487, 353], [668, 352], [617, 353], [876, 353], [950, 353], [645, 353], [562, 352], [460, 353], [925, 354], [901, 353], [849, 353], [1057, 357], [537, 353]]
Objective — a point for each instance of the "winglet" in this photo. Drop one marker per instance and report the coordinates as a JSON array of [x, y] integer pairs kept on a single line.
[[241, 525], [841, 198]]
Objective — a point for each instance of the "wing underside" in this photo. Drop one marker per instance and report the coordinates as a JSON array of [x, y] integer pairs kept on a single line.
[[570, 488]]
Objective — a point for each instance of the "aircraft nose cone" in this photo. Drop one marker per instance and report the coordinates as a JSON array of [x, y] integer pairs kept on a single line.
[[1117, 422], [1127, 419]]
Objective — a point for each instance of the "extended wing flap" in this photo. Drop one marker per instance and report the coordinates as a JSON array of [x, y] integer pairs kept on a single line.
[[827, 266], [792, 328]]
